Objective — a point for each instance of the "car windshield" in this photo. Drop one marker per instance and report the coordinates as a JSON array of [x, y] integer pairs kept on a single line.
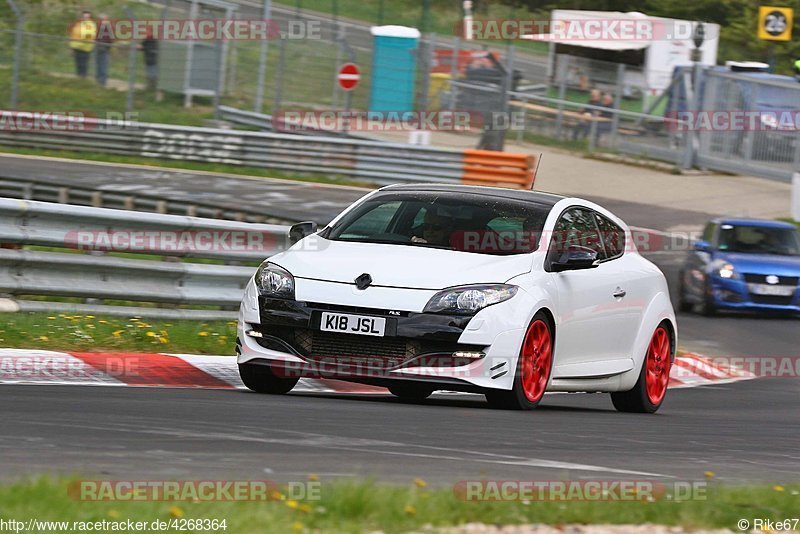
[[482, 224], [759, 240]]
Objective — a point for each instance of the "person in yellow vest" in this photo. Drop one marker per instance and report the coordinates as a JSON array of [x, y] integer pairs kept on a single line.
[[82, 35], [797, 70]]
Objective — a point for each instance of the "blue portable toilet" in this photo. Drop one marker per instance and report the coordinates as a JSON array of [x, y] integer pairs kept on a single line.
[[394, 68]]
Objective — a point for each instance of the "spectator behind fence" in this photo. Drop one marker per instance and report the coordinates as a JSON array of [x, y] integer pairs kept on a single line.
[[608, 114], [103, 44], [149, 47], [581, 131], [82, 35]]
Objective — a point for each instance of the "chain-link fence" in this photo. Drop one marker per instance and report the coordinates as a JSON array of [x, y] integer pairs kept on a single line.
[[577, 102]]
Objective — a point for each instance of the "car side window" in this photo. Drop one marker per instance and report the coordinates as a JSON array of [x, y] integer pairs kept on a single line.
[[613, 237], [576, 226]]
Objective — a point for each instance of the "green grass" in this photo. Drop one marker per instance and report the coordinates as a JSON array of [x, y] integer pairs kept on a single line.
[[368, 506], [75, 332], [47, 92]]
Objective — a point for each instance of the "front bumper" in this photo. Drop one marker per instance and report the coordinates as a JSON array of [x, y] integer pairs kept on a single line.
[[417, 347], [734, 294]]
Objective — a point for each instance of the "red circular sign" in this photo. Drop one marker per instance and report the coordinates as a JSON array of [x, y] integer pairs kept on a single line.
[[348, 76]]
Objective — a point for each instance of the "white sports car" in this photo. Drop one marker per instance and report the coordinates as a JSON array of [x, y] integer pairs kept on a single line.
[[426, 287]]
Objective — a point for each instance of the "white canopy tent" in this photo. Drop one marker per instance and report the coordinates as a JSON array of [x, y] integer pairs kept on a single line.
[[663, 44]]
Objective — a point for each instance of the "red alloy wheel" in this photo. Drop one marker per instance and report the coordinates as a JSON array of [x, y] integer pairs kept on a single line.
[[537, 353], [658, 364]]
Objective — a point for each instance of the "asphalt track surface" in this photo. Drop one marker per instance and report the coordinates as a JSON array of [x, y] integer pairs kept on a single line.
[[283, 199], [744, 431]]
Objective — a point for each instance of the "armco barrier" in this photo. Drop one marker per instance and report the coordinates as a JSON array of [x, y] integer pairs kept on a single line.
[[96, 275], [373, 161], [60, 226], [487, 167]]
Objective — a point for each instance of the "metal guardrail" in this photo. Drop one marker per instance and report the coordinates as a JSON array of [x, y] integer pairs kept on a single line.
[[268, 123], [95, 275], [374, 161], [44, 191]]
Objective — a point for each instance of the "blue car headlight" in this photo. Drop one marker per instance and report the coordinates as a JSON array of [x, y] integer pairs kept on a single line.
[[724, 269]]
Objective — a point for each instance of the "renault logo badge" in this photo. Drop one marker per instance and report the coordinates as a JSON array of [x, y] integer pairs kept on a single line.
[[363, 281]]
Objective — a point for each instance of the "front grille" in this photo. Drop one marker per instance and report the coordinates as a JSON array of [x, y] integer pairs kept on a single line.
[[352, 349], [762, 279], [363, 351], [772, 300]]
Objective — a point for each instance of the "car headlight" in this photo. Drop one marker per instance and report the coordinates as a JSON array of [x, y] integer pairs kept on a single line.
[[274, 281], [724, 269], [467, 300]]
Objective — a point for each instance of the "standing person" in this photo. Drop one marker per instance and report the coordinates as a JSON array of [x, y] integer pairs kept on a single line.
[[82, 35], [604, 126], [149, 47], [582, 130], [103, 44], [797, 70]]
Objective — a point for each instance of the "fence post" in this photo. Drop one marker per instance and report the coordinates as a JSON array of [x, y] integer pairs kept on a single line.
[[692, 137], [220, 78], [18, 35], [617, 102], [750, 138], [279, 75], [262, 61], [563, 71], [131, 68], [351, 57], [454, 73], [508, 86], [340, 39], [797, 151], [427, 62]]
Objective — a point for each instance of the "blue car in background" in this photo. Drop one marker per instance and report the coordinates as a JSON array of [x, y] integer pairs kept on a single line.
[[742, 264]]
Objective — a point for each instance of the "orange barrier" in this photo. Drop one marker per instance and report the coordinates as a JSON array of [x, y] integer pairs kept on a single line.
[[501, 169]]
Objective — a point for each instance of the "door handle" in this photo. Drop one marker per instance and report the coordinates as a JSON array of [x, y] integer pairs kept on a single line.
[[619, 293]]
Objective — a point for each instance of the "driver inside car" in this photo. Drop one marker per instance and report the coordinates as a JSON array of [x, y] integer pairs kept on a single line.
[[436, 229]]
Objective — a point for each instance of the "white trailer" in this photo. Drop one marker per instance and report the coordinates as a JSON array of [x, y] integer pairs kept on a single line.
[[651, 48]]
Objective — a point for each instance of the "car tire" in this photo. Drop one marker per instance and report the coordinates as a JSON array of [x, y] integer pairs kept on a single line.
[[262, 379], [534, 366], [410, 393], [707, 306], [648, 394], [683, 305]]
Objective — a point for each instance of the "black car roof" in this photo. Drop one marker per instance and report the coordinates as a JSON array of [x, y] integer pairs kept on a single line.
[[516, 194]]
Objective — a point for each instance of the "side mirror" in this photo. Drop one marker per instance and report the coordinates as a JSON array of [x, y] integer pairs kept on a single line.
[[300, 230], [702, 246], [575, 258]]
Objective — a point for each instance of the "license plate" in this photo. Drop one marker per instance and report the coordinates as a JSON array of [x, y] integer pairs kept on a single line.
[[778, 291], [352, 324]]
